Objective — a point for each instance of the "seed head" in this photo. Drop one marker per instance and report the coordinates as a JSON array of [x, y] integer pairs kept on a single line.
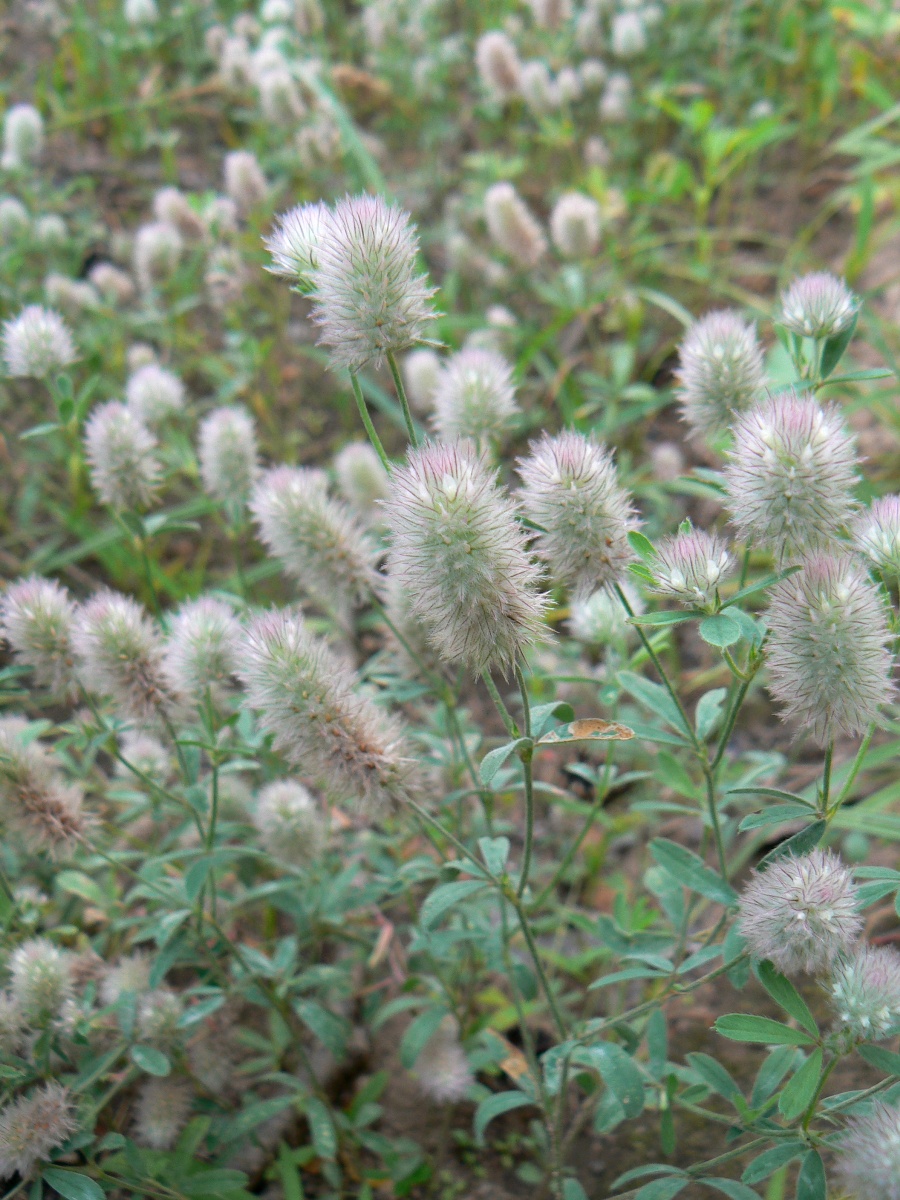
[[36, 617], [152, 393], [36, 343], [498, 65], [294, 245], [575, 225], [40, 982], [202, 649], [23, 137], [720, 371], [442, 1068], [790, 474], [572, 491], [865, 989], [869, 1162], [15, 222], [828, 660], [362, 479], [35, 801], [459, 552], [876, 534], [120, 654], [818, 305], [317, 540], [689, 567], [245, 182], [512, 227], [369, 299], [421, 369], [158, 248], [161, 1112], [801, 913], [289, 822], [307, 698], [226, 448], [125, 472], [475, 396], [32, 1126]]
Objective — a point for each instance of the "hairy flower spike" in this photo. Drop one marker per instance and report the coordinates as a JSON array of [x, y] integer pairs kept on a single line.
[[158, 248], [226, 448], [317, 540], [244, 180], [720, 371], [689, 567], [460, 554], [600, 619], [876, 534], [307, 698], [23, 136], [202, 649], [294, 245], [818, 305], [790, 474], [572, 491], [289, 822], [869, 1162], [161, 1112], [15, 222], [421, 369], [32, 1126], [40, 982], [36, 617], [442, 1068], [475, 396], [498, 65], [512, 227], [575, 225], [120, 654], [152, 393], [36, 343], [369, 299], [865, 989], [125, 472], [362, 479], [801, 913], [35, 800], [828, 657]]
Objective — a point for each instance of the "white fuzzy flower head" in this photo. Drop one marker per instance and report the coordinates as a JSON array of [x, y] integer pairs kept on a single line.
[[575, 225], [442, 1068], [112, 283], [421, 369], [550, 14], [36, 343], [23, 136], [790, 474], [129, 974], [876, 534], [202, 649], [279, 95], [140, 13], [35, 800], [121, 454], [290, 825], [475, 396], [158, 1014], [51, 231], [720, 371], [318, 541], [308, 699], [40, 982], [568, 85], [244, 180], [32, 1126], [801, 913], [869, 1162], [225, 277], [689, 567], [36, 618], [147, 754], [152, 393], [369, 299], [865, 993], [362, 480], [161, 1112], [226, 448], [71, 296], [158, 248], [172, 207], [512, 227], [538, 88], [498, 65], [628, 34], [15, 222], [828, 658], [120, 654], [600, 619], [615, 101], [818, 305], [571, 489], [294, 245]]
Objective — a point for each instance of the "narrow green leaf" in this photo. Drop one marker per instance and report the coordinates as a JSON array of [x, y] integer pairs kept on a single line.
[[654, 697], [800, 1089], [447, 896], [802, 842], [662, 1189], [691, 872], [73, 1185], [418, 1033], [784, 993], [151, 1060], [811, 1182], [496, 1105], [769, 1161], [642, 546], [742, 1028], [662, 618], [321, 1128], [833, 350], [709, 712], [495, 852], [732, 1188], [494, 760], [882, 1060], [714, 1075]]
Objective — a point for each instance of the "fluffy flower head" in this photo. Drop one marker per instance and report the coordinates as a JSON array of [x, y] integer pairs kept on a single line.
[[245, 182], [865, 990], [294, 245], [153, 393], [498, 65], [40, 982], [202, 649], [120, 450], [442, 1068], [869, 1162], [35, 800], [32, 1126], [720, 371], [23, 136], [876, 533], [226, 448], [162, 1111], [475, 396], [36, 343], [36, 617], [575, 225], [421, 369], [362, 479], [290, 825], [512, 227], [818, 305], [689, 567]]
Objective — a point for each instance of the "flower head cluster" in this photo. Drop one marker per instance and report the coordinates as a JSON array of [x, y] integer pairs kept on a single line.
[[801, 913], [876, 533], [869, 1161], [226, 448], [459, 552], [120, 450], [36, 617], [571, 490], [689, 567], [36, 343], [308, 699], [512, 227], [575, 225], [317, 540], [818, 305], [32, 1126], [289, 822], [35, 800], [828, 659], [23, 136], [162, 1111], [112, 283], [498, 65], [720, 371], [202, 649], [790, 474], [442, 1068], [294, 245], [152, 393], [475, 396], [130, 974], [865, 989]]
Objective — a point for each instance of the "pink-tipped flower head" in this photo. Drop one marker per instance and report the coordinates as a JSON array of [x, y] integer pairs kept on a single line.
[[152, 393], [828, 658], [290, 825], [308, 699], [294, 245], [876, 534], [460, 554], [720, 371], [36, 343], [801, 913], [32, 1126], [689, 567], [226, 448], [498, 65], [202, 649], [818, 305], [865, 993], [475, 396], [370, 301], [869, 1161], [512, 226], [571, 490], [791, 474], [35, 801], [575, 225], [36, 618], [121, 454]]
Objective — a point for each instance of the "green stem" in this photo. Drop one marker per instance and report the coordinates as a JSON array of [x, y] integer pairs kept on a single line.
[[855, 769], [528, 774], [600, 797], [730, 722], [811, 1111], [541, 973], [505, 716], [714, 819], [367, 421], [826, 775], [404, 403]]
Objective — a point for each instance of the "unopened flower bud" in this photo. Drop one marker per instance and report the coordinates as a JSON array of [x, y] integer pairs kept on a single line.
[[689, 567]]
